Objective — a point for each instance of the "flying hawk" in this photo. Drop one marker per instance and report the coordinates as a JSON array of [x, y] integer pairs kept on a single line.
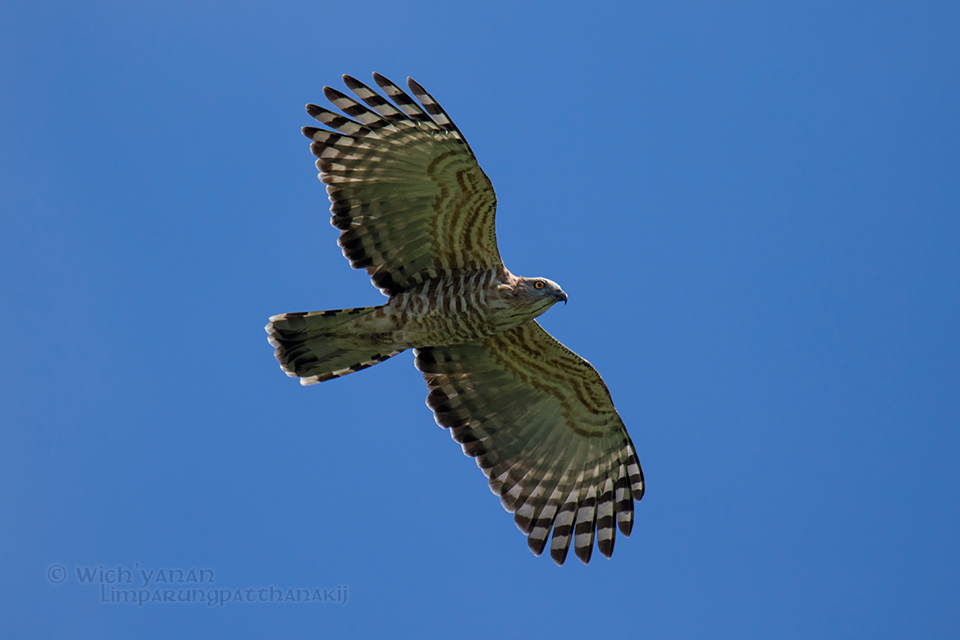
[[417, 212]]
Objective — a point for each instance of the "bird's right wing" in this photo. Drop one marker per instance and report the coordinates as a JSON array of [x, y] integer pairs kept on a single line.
[[404, 185], [542, 426]]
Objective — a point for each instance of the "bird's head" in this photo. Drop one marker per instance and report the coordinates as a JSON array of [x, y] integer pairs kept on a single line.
[[538, 294]]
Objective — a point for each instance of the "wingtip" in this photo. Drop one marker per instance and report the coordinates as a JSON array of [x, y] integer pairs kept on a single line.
[[416, 87], [606, 549], [559, 555], [584, 553], [331, 94]]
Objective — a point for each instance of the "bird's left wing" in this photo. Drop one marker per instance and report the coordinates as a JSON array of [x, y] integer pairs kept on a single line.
[[542, 426]]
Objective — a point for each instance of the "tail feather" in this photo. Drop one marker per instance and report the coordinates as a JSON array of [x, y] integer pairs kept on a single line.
[[320, 345]]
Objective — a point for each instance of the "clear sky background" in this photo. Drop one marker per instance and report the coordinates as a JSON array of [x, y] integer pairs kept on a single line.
[[753, 207]]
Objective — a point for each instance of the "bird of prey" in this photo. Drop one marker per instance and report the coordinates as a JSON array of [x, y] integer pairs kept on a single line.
[[417, 212]]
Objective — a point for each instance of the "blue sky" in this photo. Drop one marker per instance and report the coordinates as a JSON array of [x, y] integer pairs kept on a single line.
[[753, 207]]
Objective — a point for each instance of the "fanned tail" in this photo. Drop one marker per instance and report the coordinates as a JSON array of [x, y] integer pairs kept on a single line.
[[321, 345]]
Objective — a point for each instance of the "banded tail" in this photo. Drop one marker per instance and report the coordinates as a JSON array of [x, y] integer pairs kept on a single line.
[[321, 345]]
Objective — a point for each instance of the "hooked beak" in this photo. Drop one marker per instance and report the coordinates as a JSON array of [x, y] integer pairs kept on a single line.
[[562, 296]]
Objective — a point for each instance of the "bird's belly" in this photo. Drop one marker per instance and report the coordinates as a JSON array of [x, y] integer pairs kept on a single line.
[[437, 333], [445, 312], [439, 327]]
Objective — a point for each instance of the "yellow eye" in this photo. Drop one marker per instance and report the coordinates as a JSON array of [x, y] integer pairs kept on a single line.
[[538, 284]]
